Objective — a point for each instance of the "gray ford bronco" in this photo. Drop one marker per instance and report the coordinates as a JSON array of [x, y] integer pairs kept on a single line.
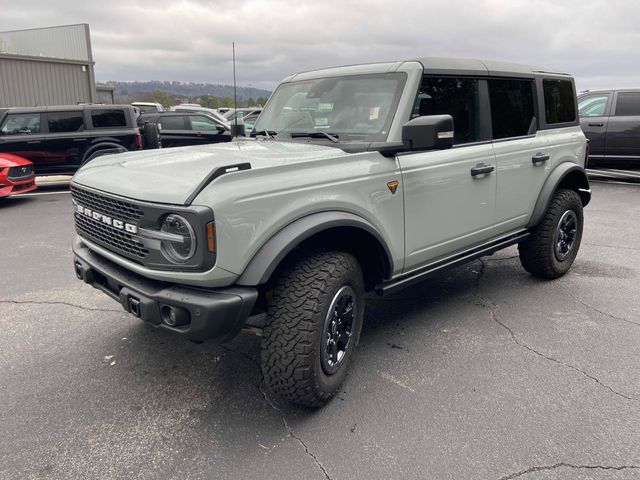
[[358, 178]]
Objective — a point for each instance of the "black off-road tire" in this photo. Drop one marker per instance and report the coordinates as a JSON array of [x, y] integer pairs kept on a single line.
[[292, 360], [538, 253]]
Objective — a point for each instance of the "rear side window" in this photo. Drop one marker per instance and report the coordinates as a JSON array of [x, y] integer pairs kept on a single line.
[[108, 118], [172, 123], [559, 101], [21, 124], [628, 104], [60, 122], [458, 97], [512, 110]]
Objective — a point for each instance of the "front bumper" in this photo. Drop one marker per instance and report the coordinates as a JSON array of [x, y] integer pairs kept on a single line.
[[216, 314], [8, 187]]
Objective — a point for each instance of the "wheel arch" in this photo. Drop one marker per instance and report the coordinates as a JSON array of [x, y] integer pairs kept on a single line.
[[101, 146], [325, 230], [568, 176]]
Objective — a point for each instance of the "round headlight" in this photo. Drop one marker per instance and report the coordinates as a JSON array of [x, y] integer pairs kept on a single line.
[[175, 250]]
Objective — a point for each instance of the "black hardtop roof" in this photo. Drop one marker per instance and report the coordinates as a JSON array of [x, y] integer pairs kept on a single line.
[[467, 66], [67, 108]]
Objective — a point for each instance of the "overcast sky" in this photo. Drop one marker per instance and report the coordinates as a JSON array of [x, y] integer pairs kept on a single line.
[[190, 40]]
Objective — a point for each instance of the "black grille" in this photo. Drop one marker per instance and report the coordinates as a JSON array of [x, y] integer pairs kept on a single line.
[[20, 173], [104, 234], [125, 211]]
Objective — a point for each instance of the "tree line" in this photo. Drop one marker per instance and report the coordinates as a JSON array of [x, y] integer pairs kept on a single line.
[[169, 99]]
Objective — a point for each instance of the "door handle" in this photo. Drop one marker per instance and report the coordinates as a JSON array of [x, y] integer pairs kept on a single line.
[[481, 169], [596, 124], [539, 158], [34, 142], [79, 139]]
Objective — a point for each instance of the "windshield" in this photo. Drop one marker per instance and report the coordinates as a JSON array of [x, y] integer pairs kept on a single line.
[[351, 108]]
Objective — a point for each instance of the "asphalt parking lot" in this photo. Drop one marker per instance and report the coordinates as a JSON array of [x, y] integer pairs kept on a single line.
[[481, 373]]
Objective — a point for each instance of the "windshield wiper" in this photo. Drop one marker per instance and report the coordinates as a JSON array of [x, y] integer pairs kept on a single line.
[[331, 136], [266, 133]]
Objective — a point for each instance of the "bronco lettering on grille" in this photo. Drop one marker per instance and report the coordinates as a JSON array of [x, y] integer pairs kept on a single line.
[[100, 217]]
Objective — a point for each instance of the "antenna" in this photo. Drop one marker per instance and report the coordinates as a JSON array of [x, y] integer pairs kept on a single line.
[[235, 100]]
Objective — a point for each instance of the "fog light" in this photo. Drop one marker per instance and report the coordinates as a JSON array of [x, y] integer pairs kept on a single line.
[[174, 316]]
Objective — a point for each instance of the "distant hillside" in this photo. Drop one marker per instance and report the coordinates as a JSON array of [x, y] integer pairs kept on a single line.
[[182, 89]]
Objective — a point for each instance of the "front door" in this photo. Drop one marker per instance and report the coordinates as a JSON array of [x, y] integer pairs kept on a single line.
[[449, 202], [447, 206]]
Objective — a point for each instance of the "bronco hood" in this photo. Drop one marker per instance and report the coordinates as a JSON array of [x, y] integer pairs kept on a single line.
[[172, 175]]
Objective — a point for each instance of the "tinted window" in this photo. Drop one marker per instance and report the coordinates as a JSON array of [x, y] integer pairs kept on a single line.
[[202, 123], [21, 124], [108, 118], [593, 105], [628, 104], [65, 122], [559, 101], [172, 123], [457, 97], [512, 108]]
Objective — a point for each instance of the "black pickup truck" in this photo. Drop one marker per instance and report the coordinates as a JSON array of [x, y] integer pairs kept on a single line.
[[58, 140], [611, 121]]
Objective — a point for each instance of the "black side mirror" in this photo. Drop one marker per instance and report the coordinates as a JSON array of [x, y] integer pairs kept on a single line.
[[430, 132], [237, 130]]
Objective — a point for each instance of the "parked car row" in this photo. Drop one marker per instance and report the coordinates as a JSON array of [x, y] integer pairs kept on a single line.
[[611, 121], [58, 140]]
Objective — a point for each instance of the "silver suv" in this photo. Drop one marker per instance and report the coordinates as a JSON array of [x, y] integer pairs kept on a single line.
[[359, 178]]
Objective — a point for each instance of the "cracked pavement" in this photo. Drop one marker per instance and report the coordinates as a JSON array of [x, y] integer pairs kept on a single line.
[[480, 373]]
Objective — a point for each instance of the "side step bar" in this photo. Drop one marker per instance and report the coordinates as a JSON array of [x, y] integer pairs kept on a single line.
[[448, 263]]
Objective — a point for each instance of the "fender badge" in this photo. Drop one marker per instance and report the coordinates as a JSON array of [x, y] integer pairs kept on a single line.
[[393, 186]]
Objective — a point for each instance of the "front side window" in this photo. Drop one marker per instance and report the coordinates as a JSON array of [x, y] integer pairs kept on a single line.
[[201, 123], [352, 107], [512, 110], [108, 118], [559, 101], [628, 104], [593, 105], [21, 124], [61, 122], [458, 97]]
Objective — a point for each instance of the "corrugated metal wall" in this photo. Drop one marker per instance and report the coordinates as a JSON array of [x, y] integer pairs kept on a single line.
[[25, 83], [70, 42]]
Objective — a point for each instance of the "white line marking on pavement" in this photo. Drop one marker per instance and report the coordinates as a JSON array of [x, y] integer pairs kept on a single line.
[[36, 194]]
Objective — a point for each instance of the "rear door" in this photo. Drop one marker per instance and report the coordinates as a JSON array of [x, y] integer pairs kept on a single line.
[[516, 143], [623, 132], [174, 131], [66, 141], [594, 117]]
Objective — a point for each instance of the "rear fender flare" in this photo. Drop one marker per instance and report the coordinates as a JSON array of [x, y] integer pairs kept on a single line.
[[101, 146], [553, 182]]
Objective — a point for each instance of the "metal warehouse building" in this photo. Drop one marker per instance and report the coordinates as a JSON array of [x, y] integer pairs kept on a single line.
[[46, 66]]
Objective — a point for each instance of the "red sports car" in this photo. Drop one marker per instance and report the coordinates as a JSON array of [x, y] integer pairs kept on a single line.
[[16, 175]]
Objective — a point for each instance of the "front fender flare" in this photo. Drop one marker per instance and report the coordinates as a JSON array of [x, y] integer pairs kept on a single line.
[[269, 256]]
